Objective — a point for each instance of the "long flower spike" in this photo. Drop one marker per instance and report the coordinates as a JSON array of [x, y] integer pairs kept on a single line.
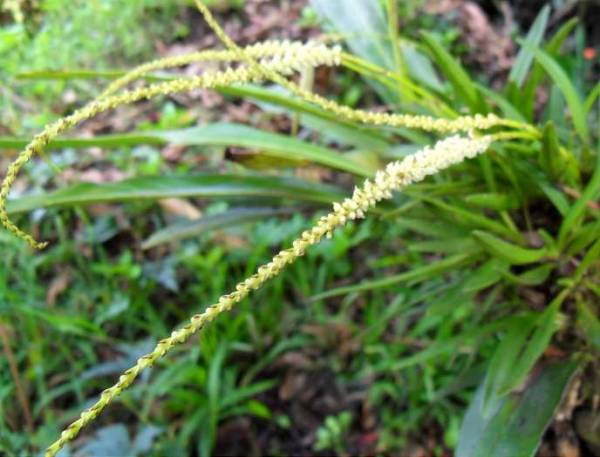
[[262, 50], [395, 176], [427, 123], [293, 59]]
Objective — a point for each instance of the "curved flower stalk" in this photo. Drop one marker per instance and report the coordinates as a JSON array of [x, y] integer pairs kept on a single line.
[[395, 176], [294, 58], [287, 50], [427, 123]]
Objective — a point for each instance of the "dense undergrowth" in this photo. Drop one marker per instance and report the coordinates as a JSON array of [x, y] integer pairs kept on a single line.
[[485, 275]]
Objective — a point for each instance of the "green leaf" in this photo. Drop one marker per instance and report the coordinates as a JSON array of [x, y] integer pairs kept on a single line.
[[588, 323], [585, 236], [532, 277], [363, 27], [527, 95], [557, 161], [328, 124], [221, 134], [495, 201], [470, 218], [102, 141], [485, 276], [524, 59], [273, 144], [532, 175], [515, 255], [445, 246], [508, 109], [519, 350], [576, 214], [201, 186], [518, 421], [415, 275], [589, 259], [456, 74], [562, 80], [589, 101], [205, 224]]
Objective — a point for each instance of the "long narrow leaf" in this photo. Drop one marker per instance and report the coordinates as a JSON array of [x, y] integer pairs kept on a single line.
[[202, 186], [205, 224], [454, 71], [524, 59], [273, 144], [563, 82], [413, 276]]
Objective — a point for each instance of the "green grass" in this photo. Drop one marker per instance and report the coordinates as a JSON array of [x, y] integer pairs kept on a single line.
[[432, 314]]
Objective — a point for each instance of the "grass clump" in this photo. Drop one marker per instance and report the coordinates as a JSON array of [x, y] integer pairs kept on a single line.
[[487, 284]]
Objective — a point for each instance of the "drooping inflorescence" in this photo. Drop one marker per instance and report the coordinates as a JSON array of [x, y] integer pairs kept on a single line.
[[297, 54], [285, 62], [272, 61], [395, 176]]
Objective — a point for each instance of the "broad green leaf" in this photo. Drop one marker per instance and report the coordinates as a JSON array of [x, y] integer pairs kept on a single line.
[[201, 186], [456, 74], [415, 275], [546, 325], [222, 134], [364, 29], [520, 348], [563, 82], [516, 255], [524, 59], [486, 275], [273, 144], [420, 67], [533, 277], [501, 364], [205, 224], [518, 421]]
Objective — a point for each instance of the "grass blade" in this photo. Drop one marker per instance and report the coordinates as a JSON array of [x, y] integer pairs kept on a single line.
[[202, 186], [563, 82], [205, 224], [272, 144], [515, 255], [524, 59], [454, 71], [413, 276]]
